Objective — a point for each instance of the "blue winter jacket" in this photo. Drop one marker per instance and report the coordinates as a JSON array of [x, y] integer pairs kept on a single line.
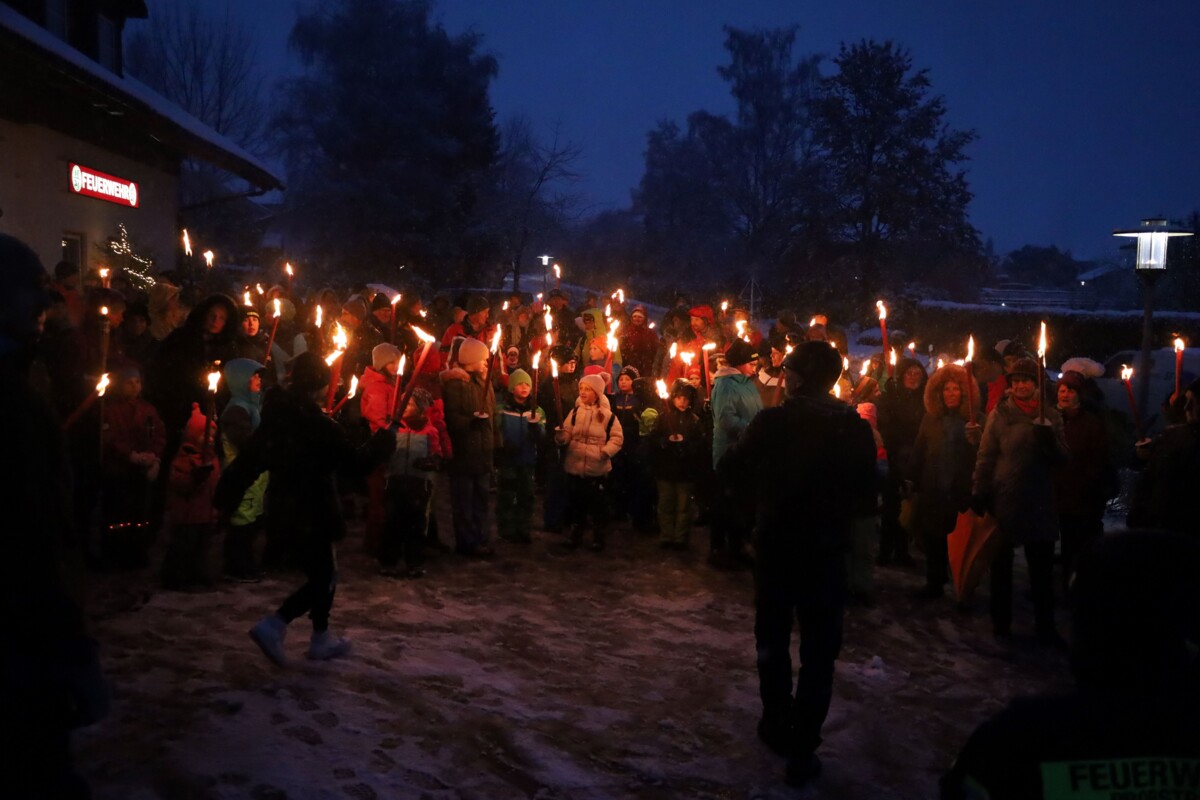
[[518, 439], [735, 401]]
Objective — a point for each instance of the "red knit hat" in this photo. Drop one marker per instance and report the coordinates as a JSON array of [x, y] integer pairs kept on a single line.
[[704, 312]]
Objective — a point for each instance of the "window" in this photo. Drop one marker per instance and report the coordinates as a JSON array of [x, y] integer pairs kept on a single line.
[[72, 247]]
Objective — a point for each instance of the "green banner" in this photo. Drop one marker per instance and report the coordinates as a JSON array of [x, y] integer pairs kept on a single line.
[[1122, 779]]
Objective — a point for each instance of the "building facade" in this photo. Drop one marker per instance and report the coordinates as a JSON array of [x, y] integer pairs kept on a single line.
[[84, 148]]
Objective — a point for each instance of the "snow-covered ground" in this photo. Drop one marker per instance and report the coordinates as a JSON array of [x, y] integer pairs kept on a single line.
[[628, 674]]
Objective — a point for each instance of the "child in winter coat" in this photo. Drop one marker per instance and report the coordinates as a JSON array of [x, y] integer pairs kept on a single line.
[[678, 453], [417, 457], [239, 420], [592, 435], [189, 508], [375, 398], [134, 439], [631, 493], [520, 426]]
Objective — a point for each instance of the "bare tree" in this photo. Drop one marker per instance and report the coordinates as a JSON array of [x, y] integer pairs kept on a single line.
[[205, 60], [532, 190]]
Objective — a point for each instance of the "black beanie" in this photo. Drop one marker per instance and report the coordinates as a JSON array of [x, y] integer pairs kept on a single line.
[[739, 353], [818, 364], [308, 373]]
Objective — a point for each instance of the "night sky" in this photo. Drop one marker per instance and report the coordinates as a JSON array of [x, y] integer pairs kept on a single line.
[[1087, 111]]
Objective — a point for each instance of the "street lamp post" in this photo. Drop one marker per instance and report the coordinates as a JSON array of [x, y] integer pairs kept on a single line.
[[545, 263], [1152, 238]]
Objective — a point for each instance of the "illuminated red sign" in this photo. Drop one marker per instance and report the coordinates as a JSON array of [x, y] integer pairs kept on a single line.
[[89, 182]]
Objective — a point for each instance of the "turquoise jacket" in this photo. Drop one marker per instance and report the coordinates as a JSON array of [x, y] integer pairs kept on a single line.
[[735, 400]]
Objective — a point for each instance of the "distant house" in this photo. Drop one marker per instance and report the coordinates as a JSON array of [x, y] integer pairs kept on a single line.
[[1113, 282], [82, 146]]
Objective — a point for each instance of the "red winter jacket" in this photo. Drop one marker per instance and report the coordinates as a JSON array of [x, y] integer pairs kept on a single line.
[[376, 398], [131, 426]]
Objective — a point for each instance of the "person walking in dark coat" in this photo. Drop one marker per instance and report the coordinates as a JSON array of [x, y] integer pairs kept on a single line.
[[1013, 478], [941, 466], [901, 409], [679, 447], [303, 449], [810, 464], [1164, 495], [1131, 727], [1084, 483]]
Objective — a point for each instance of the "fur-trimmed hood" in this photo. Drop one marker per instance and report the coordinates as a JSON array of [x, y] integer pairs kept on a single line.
[[934, 405]]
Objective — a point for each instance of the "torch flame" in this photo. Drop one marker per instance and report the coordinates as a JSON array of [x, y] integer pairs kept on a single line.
[[941, 363], [279, 308], [102, 385], [246, 299], [959, 363], [740, 327], [549, 340], [621, 296], [553, 368], [187, 243], [396, 299], [724, 306], [353, 387], [812, 322], [709, 346], [340, 340], [837, 391], [320, 315], [882, 309], [892, 357], [537, 359], [1041, 351], [401, 365], [661, 385], [674, 349], [557, 271], [687, 357], [208, 258], [1179, 345], [423, 313], [970, 348], [288, 269], [548, 318], [845, 364], [422, 335], [496, 339], [652, 326], [608, 310], [912, 347], [866, 367], [539, 297], [505, 306], [1126, 372], [259, 287], [787, 350], [103, 272], [213, 379], [332, 357], [104, 311]]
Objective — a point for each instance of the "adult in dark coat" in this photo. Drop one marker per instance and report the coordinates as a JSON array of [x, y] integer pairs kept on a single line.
[[942, 463], [554, 504], [1131, 727], [177, 375], [638, 343], [810, 464], [1014, 479], [901, 409], [304, 450], [50, 671], [1084, 483], [470, 402], [1165, 493]]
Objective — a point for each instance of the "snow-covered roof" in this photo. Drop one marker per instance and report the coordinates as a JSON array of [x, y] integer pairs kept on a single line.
[[1101, 270], [192, 130], [1097, 313]]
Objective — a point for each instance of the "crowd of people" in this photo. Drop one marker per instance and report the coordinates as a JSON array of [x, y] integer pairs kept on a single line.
[[250, 416]]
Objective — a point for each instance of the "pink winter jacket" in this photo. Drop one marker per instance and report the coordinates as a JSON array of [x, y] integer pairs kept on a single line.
[[589, 454]]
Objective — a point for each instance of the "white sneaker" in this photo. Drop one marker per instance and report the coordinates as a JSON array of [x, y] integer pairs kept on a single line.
[[324, 646], [268, 634]]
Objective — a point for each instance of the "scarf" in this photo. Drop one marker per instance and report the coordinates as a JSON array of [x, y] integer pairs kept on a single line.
[[1028, 407]]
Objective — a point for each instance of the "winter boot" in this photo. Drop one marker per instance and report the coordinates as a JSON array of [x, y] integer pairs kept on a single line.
[[324, 646], [268, 634]]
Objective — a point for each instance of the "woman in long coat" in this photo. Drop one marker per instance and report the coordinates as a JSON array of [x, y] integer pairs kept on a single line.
[[1014, 477], [942, 462]]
